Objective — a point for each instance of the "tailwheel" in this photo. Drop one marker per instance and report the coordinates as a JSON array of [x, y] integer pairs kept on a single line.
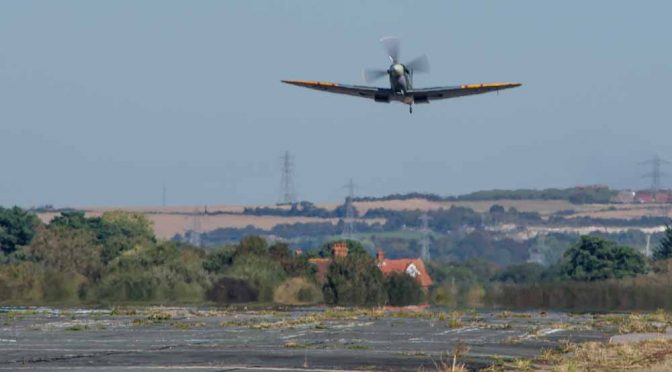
[[410, 109]]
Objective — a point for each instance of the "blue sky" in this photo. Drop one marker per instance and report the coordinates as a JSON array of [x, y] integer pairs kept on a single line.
[[102, 103]]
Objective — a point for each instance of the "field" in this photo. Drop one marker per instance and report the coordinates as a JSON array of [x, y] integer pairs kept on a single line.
[[203, 339], [173, 220]]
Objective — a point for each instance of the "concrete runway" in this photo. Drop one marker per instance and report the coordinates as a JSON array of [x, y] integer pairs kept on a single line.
[[216, 340]]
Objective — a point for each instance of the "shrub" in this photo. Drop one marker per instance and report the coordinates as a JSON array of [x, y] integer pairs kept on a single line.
[[260, 272], [164, 271], [664, 250], [17, 228], [297, 291], [232, 290], [594, 258], [354, 281], [403, 290]]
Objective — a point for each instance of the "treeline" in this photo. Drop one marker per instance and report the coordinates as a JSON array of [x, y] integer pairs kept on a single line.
[[594, 274], [300, 209], [442, 221], [115, 258], [576, 195], [230, 235]]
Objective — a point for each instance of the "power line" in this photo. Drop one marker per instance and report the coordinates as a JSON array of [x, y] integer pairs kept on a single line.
[[655, 174], [349, 222], [287, 192], [424, 242], [195, 233]]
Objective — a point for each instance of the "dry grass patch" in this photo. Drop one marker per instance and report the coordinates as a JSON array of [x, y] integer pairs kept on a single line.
[[634, 323], [655, 355], [509, 315]]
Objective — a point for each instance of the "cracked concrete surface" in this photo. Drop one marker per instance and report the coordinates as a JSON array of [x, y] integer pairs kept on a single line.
[[210, 339]]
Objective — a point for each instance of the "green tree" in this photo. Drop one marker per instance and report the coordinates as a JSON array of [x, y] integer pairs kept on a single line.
[[219, 259], [403, 290], [355, 248], [354, 280], [264, 274], [119, 231], [66, 250], [664, 250], [72, 219], [17, 228], [115, 231], [252, 245], [594, 258], [165, 271], [293, 265]]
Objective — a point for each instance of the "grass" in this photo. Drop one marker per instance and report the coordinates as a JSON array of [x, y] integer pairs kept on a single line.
[[77, 327], [606, 357], [154, 317], [653, 355], [357, 347], [188, 325], [509, 315], [295, 345], [316, 318], [634, 323], [123, 311]]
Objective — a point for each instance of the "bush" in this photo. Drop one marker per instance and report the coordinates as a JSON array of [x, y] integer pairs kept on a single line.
[[232, 290], [646, 292], [17, 228], [354, 281], [21, 283], [165, 271], [260, 272], [297, 291], [664, 250], [594, 258], [403, 290]]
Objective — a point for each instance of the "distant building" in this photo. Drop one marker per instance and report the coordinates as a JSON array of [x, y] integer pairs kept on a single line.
[[624, 197], [413, 267], [643, 197]]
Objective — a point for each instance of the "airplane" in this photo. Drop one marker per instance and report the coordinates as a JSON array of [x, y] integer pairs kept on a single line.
[[401, 82]]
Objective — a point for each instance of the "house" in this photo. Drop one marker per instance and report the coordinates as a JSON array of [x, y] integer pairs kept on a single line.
[[414, 267], [644, 197], [624, 197], [339, 249]]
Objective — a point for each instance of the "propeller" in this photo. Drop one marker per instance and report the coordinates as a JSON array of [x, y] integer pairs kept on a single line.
[[372, 75], [420, 64], [391, 45]]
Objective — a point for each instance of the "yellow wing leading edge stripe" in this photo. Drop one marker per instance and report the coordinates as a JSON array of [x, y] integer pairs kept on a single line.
[[490, 85], [311, 82]]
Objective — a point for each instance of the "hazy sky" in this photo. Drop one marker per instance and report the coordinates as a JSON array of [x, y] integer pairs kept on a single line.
[[102, 103]]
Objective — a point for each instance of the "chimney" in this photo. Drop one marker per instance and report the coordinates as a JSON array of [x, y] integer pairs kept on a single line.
[[340, 249], [298, 252], [380, 255]]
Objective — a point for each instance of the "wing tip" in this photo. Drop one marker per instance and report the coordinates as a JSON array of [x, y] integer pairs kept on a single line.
[[309, 83]]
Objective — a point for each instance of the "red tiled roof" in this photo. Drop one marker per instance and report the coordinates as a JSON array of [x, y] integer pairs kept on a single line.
[[401, 265], [387, 266]]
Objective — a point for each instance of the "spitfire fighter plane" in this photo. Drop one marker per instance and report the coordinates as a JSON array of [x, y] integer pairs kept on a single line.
[[401, 82]]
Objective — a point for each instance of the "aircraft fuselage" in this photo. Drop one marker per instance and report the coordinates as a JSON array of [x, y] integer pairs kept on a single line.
[[401, 80]]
